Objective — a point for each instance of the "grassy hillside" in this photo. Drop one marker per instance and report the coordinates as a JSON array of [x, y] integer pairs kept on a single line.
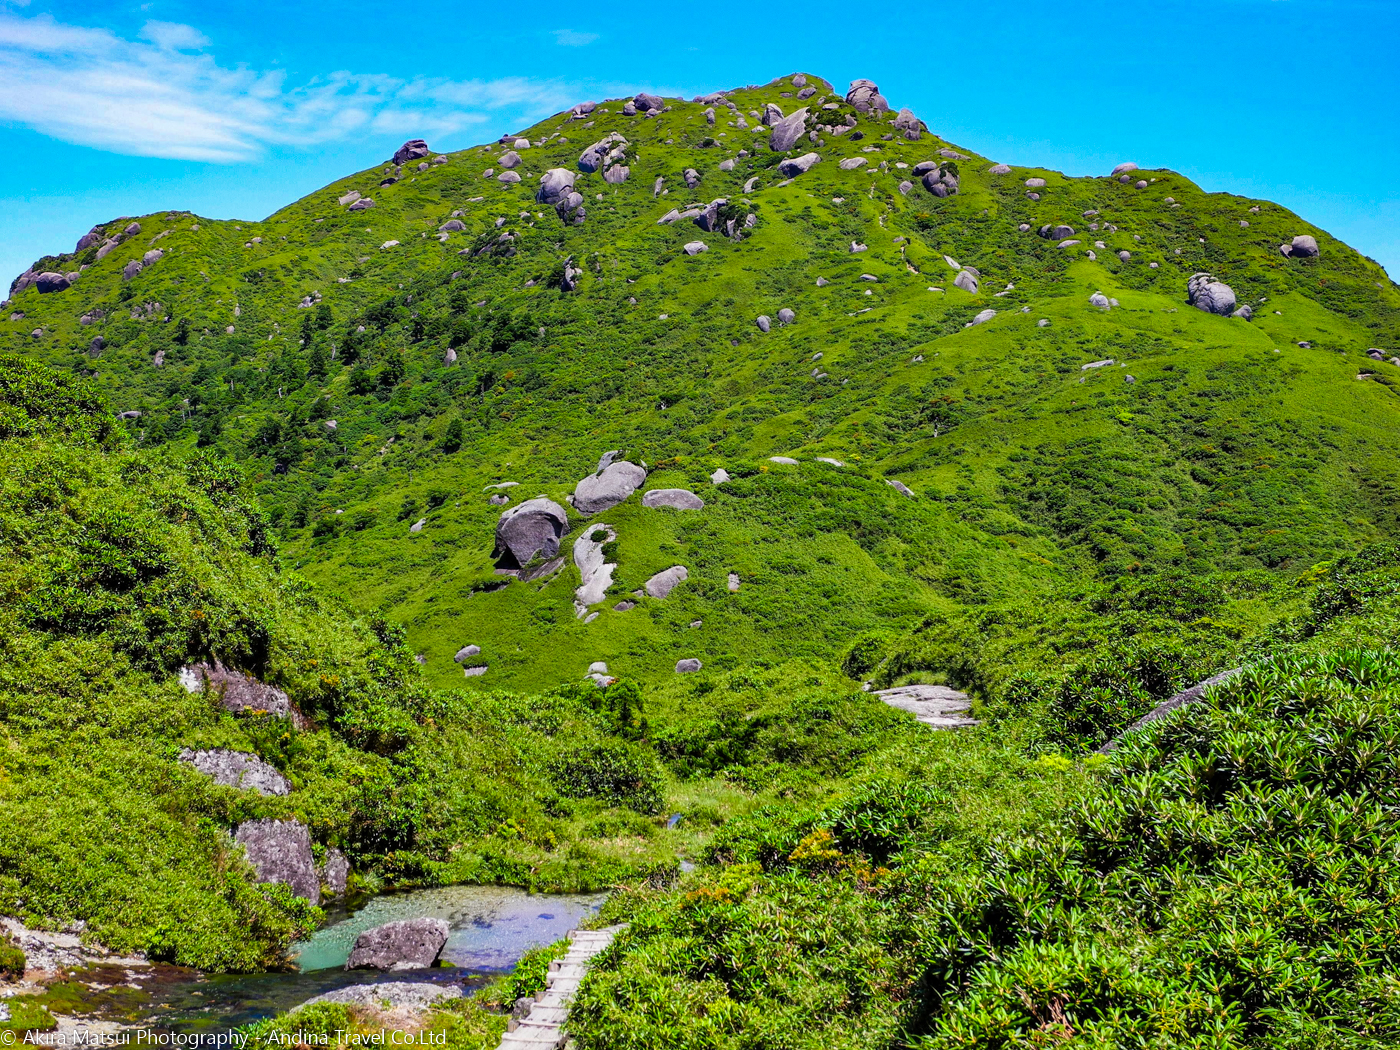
[[1211, 446]]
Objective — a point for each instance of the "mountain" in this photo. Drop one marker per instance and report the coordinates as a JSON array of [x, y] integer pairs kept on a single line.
[[418, 451]]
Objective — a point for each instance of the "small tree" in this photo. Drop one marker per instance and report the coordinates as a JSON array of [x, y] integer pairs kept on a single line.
[[452, 436]]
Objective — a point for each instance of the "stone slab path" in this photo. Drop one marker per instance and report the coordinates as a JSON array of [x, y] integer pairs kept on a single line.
[[933, 705], [541, 1026]]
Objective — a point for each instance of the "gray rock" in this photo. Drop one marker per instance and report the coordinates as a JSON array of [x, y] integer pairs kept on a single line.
[[1204, 292], [237, 769], [664, 582], [466, 652], [617, 174], [1304, 246], [786, 316], [999, 169], [645, 103], [688, 666], [582, 110], [786, 461], [1123, 169], [982, 318], [905, 187], [152, 257], [349, 198], [1100, 300], [1125, 255], [556, 185], [1245, 313], [852, 163], [413, 149], [1056, 232], [967, 281], [131, 269], [47, 281], [280, 851], [1166, 707], [417, 526], [899, 487], [908, 124], [764, 322], [531, 529], [733, 583], [1035, 183], [607, 488], [695, 247], [676, 499], [509, 159], [794, 166], [865, 97], [415, 996], [408, 944], [363, 204], [508, 177], [237, 692], [87, 240], [788, 130], [719, 477], [806, 93]]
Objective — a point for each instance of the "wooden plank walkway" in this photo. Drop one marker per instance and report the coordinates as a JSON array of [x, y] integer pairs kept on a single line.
[[538, 1024], [933, 705]]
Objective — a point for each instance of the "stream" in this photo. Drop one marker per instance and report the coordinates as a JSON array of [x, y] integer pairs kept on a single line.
[[491, 928]]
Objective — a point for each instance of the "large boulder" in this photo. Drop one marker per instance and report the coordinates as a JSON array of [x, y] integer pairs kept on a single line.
[[87, 240], [688, 666], [509, 159], [1304, 246], [788, 130], [51, 282], [594, 570], [335, 873], [1123, 169], [607, 149], [280, 851], [664, 582], [555, 185], [645, 103], [676, 499], [533, 528], [608, 487], [942, 182], [794, 166], [413, 149], [237, 692], [908, 124], [865, 97], [131, 269], [237, 769], [408, 944], [1204, 292]]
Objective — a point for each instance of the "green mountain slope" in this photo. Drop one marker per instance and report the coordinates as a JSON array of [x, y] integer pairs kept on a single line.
[[1211, 448]]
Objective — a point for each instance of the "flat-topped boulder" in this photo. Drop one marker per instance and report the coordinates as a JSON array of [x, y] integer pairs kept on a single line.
[[415, 996], [407, 944], [933, 705], [237, 769], [676, 499]]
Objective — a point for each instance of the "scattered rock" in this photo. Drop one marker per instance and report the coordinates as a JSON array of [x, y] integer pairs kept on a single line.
[[595, 571], [1123, 169], [786, 316], [1304, 246], [531, 529], [764, 322], [908, 124], [131, 269], [408, 944], [676, 499], [280, 851], [719, 477], [982, 318], [733, 583], [695, 247], [237, 692], [787, 130], [1100, 300], [1035, 184], [509, 159], [688, 665], [413, 149], [363, 204], [967, 281], [851, 163], [664, 582], [237, 769], [466, 652], [899, 486], [794, 166], [786, 461], [999, 169]]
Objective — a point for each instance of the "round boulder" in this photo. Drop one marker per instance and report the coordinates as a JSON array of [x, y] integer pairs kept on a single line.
[[533, 528]]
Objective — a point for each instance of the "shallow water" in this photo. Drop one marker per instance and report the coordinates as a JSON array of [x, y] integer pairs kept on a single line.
[[491, 928]]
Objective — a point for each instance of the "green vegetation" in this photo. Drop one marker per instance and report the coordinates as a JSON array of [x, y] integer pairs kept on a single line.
[[1098, 508]]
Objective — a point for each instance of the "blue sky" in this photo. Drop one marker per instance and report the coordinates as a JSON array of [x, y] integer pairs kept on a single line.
[[235, 109]]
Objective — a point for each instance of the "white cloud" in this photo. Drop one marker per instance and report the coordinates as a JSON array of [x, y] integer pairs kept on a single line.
[[164, 99], [571, 38], [174, 37]]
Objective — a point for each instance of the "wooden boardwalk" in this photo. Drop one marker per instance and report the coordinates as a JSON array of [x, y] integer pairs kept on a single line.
[[538, 1024]]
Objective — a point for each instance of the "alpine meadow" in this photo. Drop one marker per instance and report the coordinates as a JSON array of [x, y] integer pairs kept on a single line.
[[921, 602]]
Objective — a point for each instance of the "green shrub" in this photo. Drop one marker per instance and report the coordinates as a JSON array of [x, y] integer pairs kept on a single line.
[[614, 773]]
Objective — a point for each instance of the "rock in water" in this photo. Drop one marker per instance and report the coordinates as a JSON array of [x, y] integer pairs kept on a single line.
[[533, 528], [607, 488], [280, 851], [1204, 292], [413, 149], [237, 769], [676, 499], [408, 944], [664, 582]]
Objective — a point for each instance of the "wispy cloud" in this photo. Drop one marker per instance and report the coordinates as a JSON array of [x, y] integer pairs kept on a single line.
[[165, 96], [573, 38]]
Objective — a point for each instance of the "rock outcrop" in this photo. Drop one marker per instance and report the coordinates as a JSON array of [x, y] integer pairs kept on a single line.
[[238, 692], [413, 149], [865, 97], [530, 530], [407, 944], [280, 851], [788, 130], [237, 769]]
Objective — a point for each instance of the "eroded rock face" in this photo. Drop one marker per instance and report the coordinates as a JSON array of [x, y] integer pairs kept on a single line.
[[1204, 292], [408, 944], [595, 571], [238, 692], [608, 487], [237, 769], [529, 530], [413, 149], [280, 851]]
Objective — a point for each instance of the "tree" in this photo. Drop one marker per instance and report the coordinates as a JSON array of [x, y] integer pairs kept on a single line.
[[452, 436], [317, 363]]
